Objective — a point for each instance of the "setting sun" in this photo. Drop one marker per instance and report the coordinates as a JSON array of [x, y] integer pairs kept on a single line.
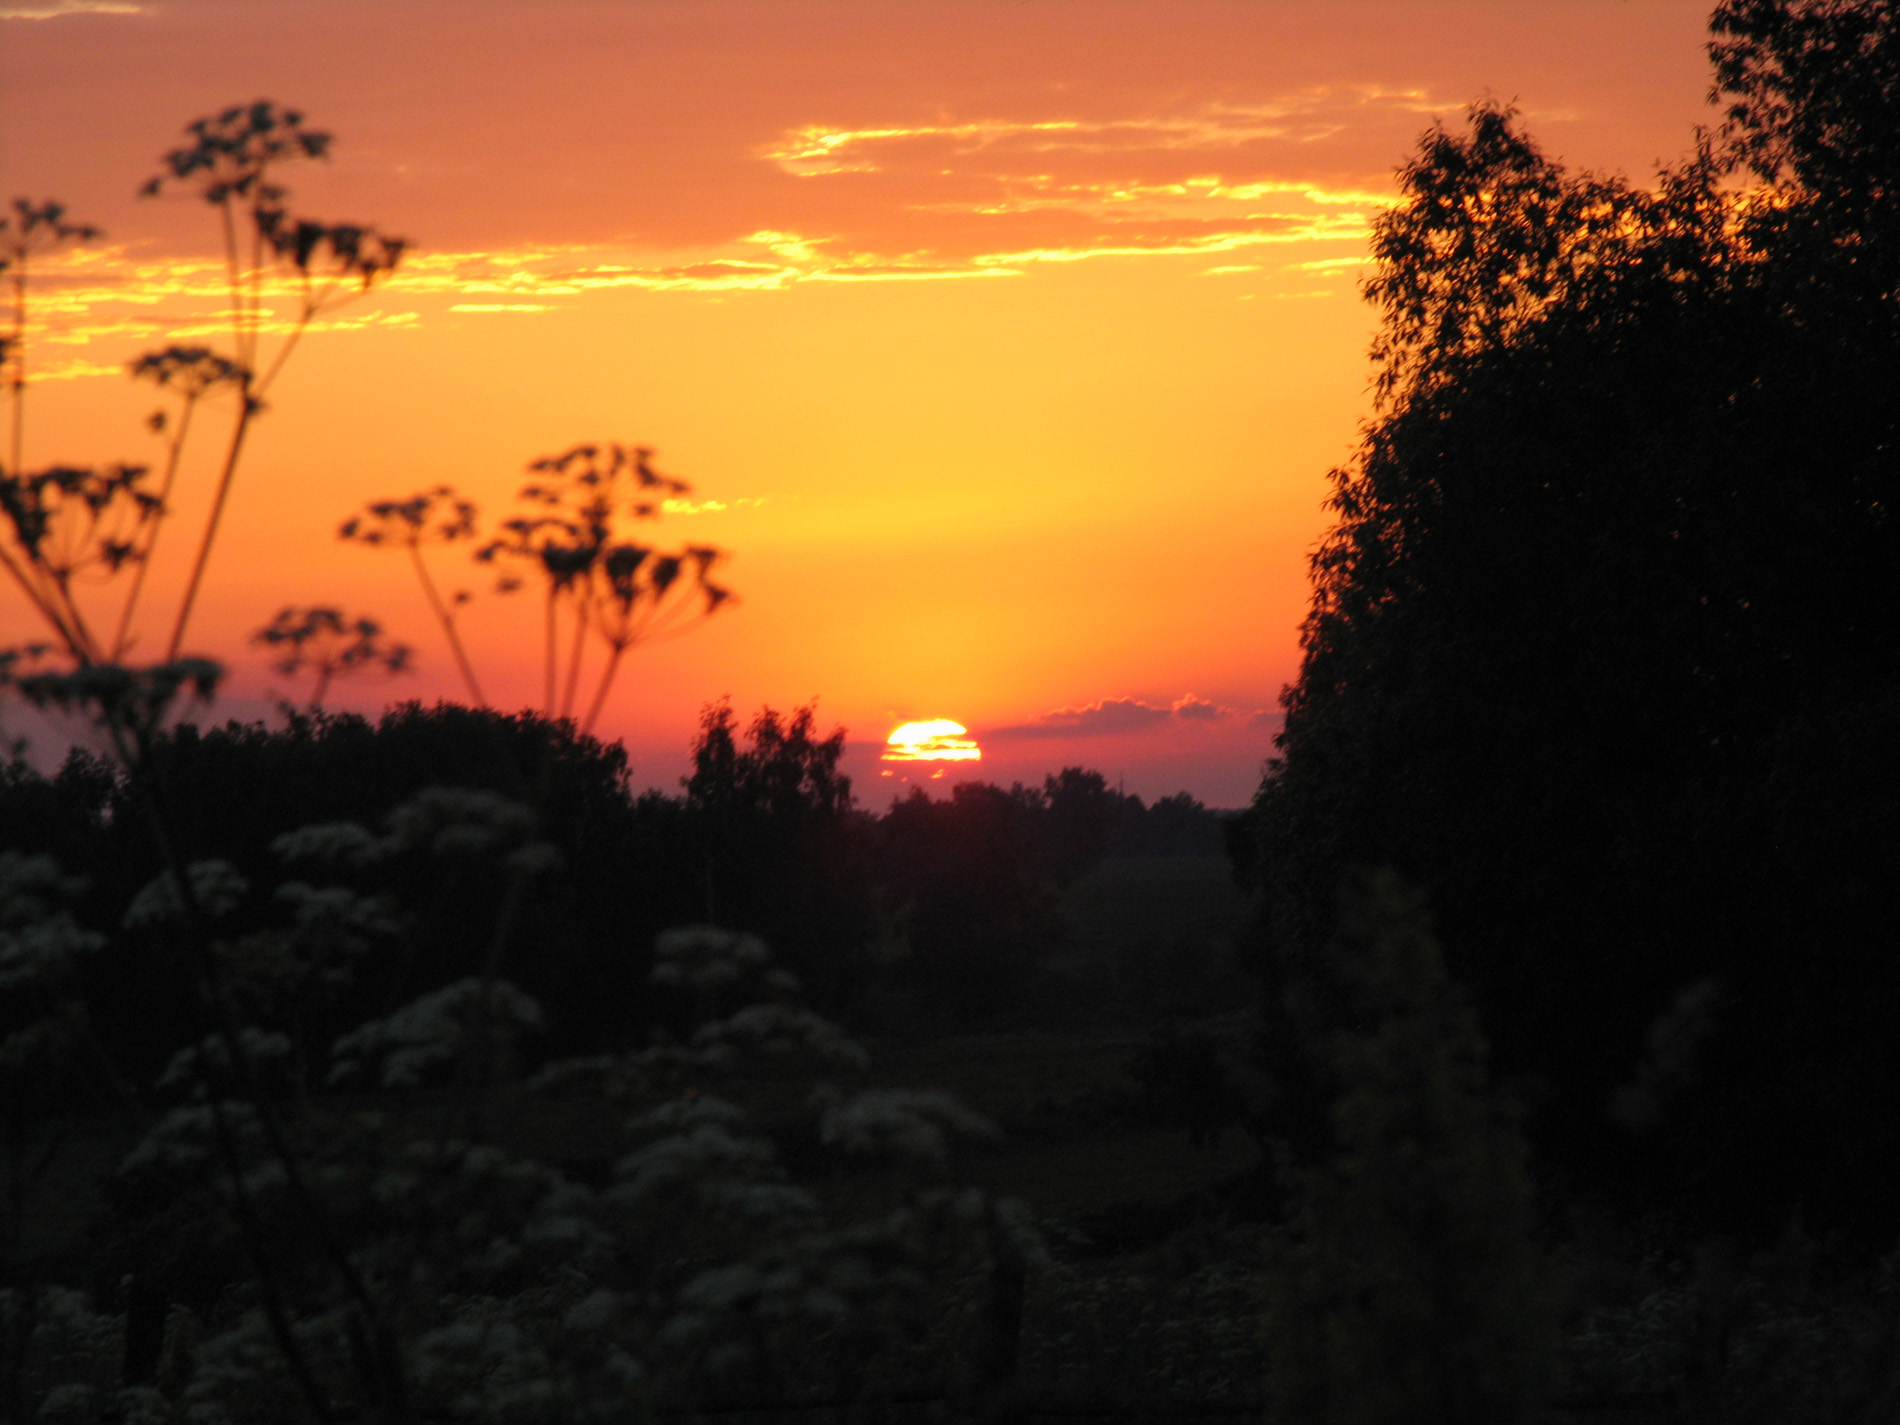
[[937, 740]]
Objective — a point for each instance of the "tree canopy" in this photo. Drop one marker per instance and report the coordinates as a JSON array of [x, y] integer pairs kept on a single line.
[[1601, 646]]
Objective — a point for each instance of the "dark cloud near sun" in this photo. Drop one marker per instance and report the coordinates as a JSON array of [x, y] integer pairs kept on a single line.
[[1120, 716], [1193, 709]]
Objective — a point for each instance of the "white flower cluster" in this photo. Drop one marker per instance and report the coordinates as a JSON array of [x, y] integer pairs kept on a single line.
[[216, 890], [473, 1216], [442, 821], [39, 939], [489, 1371], [536, 1357], [344, 842], [83, 1404], [433, 1031], [336, 920], [867, 1275], [782, 1030], [705, 957], [905, 1123], [515, 1292], [209, 1061], [613, 1077], [57, 1338], [466, 821], [689, 1111], [707, 1156], [185, 1142], [237, 1375]]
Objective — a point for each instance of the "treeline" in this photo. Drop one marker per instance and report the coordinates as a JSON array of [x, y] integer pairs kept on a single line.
[[943, 912]]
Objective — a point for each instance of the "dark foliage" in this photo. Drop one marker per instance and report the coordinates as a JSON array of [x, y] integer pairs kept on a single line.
[[978, 923], [764, 839], [1601, 647], [230, 791], [1186, 1085], [775, 848]]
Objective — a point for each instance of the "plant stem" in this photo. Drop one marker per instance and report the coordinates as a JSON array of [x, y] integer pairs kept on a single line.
[[48, 610], [283, 352], [16, 350], [88, 651], [547, 702], [158, 521], [246, 408], [574, 655], [444, 617], [606, 682]]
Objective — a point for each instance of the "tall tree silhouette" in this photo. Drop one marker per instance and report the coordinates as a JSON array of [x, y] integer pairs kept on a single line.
[[1603, 628]]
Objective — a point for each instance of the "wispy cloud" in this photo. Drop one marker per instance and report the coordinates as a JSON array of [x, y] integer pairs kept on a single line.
[[817, 150], [1207, 196], [1332, 264], [1285, 229], [713, 507], [1116, 716], [983, 199], [987, 193], [56, 9], [95, 297]]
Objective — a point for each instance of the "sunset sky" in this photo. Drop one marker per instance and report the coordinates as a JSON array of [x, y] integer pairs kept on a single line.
[[1005, 345]]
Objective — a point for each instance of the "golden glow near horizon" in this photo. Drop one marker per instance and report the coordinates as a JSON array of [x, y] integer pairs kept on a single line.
[[934, 740]]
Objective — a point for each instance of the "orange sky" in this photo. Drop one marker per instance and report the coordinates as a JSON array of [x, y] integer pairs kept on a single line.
[[1015, 339]]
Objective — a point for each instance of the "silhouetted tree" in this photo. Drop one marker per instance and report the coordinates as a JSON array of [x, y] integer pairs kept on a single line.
[[980, 922], [1078, 822], [777, 848], [1603, 629]]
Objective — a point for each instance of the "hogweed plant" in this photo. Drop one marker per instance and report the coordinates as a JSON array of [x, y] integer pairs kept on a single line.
[[330, 1210], [393, 1253], [573, 539], [436, 516], [326, 644], [233, 162], [67, 527], [190, 374]]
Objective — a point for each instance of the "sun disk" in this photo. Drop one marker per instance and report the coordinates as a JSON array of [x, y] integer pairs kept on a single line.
[[934, 740]]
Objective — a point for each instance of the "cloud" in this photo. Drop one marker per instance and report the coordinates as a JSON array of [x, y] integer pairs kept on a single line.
[[988, 193], [712, 507], [1215, 186], [1307, 116], [85, 296], [1192, 709], [54, 9], [1119, 716], [1330, 264]]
